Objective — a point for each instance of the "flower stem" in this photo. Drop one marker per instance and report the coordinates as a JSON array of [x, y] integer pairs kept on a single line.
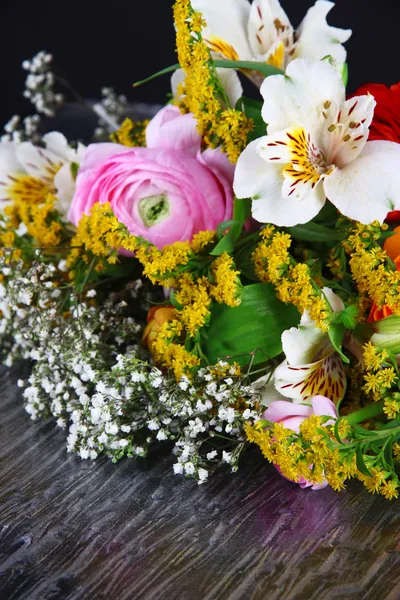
[[368, 412]]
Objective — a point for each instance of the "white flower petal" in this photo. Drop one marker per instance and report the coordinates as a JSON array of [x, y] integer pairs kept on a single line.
[[231, 84], [226, 31], [301, 345], [336, 303], [298, 98], [317, 39], [65, 189], [268, 22], [325, 377], [9, 165], [269, 393], [57, 143], [346, 129], [263, 181], [38, 162], [369, 187]]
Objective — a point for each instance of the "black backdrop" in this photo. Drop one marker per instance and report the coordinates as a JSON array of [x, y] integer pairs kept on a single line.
[[116, 42]]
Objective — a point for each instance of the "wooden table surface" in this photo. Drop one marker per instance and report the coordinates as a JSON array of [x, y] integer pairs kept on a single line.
[[77, 529]]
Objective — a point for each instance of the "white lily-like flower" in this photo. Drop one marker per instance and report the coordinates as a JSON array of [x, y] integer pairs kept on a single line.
[[312, 366], [30, 172], [317, 149], [261, 31], [228, 78]]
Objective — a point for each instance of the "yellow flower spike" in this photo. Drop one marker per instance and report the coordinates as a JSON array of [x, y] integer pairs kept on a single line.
[[130, 134], [201, 93], [227, 284], [389, 489], [293, 282]]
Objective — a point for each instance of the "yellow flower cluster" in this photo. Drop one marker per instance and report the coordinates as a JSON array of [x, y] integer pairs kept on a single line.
[[373, 272], [379, 377], [377, 483], [167, 352], [391, 408], [293, 282], [227, 286], [196, 294], [194, 297], [294, 454], [316, 457], [374, 358], [130, 134], [161, 266], [40, 220], [101, 234], [201, 92]]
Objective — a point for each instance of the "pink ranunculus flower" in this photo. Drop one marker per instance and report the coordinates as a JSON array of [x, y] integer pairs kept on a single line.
[[292, 415], [165, 192]]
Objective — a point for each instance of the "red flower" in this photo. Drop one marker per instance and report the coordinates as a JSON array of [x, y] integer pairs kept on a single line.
[[386, 122]]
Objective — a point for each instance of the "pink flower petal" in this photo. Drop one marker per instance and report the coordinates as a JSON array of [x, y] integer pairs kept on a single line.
[[171, 129]]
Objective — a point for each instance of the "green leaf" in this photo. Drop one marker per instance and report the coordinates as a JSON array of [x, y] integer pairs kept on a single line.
[[345, 73], [388, 453], [360, 462], [252, 109], [336, 429], [174, 301], [242, 209], [249, 65], [227, 242], [336, 334], [349, 317], [312, 232], [261, 67], [391, 425], [254, 326], [74, 169]]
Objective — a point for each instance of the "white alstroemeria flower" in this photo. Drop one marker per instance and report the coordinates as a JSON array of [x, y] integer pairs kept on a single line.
[[261, 31], [317, 149], [312, 365], [229, 80], [31, 172]]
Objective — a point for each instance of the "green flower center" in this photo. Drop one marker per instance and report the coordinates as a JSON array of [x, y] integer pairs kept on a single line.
[[154, 209]]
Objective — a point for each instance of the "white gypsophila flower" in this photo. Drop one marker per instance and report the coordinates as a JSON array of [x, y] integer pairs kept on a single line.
[[103, 422], [22, 130], [202, 474], [39, 84], [227, 457], [317, 148], [178, 468], [111, 110]]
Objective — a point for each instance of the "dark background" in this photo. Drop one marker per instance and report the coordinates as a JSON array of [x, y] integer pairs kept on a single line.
[[98, 44]]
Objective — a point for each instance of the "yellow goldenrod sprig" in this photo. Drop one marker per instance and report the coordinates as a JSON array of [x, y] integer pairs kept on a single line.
[[130, 134], [373, 271], [201, 93], [316, 455], [293, 282]]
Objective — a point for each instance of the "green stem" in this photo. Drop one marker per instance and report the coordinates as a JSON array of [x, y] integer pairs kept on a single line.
[[368, 412]]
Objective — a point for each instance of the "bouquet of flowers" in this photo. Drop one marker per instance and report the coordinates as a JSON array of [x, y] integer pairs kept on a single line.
[[223, 275]]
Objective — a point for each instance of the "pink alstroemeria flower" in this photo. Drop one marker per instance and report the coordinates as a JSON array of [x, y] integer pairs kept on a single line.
[[292, 415], [166, 192]]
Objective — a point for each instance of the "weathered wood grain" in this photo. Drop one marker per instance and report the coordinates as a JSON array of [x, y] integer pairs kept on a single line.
[[82, 530]]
